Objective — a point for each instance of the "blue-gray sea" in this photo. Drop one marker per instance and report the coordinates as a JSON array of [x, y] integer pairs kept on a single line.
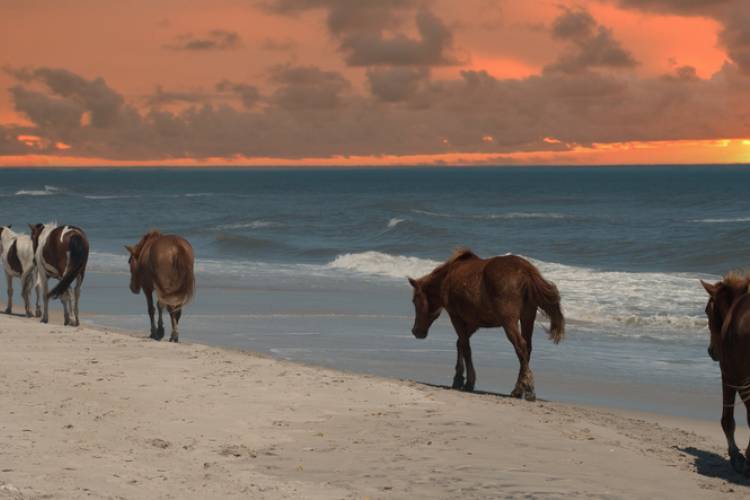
[[310, 264]]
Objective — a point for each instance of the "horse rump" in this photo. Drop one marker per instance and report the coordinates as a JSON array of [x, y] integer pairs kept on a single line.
[[79, 255]]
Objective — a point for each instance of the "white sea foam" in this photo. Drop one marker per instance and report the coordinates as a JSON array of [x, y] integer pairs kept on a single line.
[[382, 264], [110, 196], [722, 221], [500, 216], [394, 222], [256, 224], [47, 191], [626, 303]]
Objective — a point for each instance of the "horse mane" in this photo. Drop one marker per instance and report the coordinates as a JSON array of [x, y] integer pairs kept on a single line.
[[151, 234], [459, 254], [737, 280]]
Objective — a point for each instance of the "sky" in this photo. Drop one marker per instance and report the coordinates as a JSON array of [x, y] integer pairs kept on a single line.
[[374, 82]]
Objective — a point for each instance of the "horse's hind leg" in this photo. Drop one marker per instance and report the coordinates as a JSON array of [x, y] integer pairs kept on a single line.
[[160, 325], [174, 315], [525, 382], [65, 299], [9, 307], [27, 280], [77, 298], [38, 289], [727, 424], [528, 316]]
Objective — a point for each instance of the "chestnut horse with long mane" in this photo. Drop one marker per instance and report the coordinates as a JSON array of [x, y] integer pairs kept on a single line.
[[485, 293], [728, 311], [163, 263]]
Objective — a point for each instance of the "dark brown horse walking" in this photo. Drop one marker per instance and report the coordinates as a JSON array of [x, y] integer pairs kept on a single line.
[[163, 262], [728, 312], [486, 293]]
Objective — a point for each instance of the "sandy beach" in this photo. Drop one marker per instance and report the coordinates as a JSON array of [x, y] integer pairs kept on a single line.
[[90, 413]]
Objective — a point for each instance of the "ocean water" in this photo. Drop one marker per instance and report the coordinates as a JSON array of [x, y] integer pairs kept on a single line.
[[310, 264]]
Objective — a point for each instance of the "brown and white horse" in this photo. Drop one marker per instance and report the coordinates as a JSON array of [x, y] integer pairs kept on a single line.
[[61, 253], [485, 293], [17, 254], [164, 263]]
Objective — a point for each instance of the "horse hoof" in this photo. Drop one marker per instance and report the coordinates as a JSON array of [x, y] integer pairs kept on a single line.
[[529, 396], [44, 320], [468, 387], [458, 382], [173, 339], [516, 393], [738, 464], [7, 311]]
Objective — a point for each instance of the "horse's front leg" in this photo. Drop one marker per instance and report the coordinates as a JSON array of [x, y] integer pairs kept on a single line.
[[747, 451], [9, 307], [727, 424], [458, 378]]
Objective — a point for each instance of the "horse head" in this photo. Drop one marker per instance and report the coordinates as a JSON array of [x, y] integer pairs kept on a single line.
[[719, 309], [426, 307]]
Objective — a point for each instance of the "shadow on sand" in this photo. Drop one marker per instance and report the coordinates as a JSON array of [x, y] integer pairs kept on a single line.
[[709, 464], [481, 393]]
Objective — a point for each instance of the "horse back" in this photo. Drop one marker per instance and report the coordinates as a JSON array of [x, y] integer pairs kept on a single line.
[[486, 291], [736, 341], [167, 262]]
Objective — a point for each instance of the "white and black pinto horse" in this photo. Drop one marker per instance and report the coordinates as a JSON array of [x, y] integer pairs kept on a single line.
[[17, 254], [61, 253]]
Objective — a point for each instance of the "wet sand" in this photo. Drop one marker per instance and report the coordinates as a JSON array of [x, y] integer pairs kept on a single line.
[[95, 413]]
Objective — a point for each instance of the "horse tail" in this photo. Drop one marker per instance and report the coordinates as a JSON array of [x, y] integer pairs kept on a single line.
[[79, 256], [182, 264], [547, 298]]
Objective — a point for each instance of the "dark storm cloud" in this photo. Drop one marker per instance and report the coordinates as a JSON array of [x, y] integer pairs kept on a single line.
[[213, 40], [161, 97], [307, 87], [430, 49], [396, 84], [591, 45], [248, 94], [359, 27], [313, 112]]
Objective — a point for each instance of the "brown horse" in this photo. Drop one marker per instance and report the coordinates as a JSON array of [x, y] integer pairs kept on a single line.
[[728, 312], [61, 252], [486, 293], [163, 262]]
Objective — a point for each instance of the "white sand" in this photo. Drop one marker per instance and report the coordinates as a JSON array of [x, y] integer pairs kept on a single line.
[[86, 413]]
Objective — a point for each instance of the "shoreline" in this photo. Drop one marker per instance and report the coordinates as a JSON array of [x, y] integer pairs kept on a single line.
[[100, 412]]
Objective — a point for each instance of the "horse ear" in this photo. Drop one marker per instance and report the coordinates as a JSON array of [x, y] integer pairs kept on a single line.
[[129, 249], [711, 289], [413, 282], [9, 226]]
